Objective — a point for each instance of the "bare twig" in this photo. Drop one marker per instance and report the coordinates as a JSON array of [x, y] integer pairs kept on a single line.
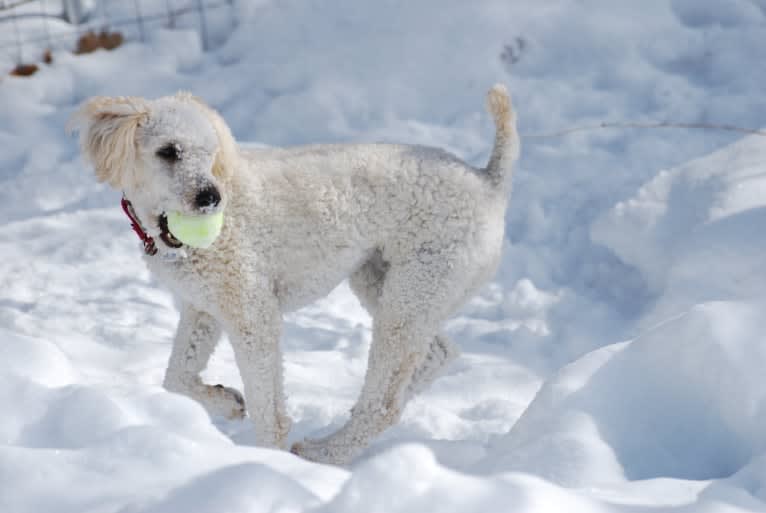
[[9, 6], [629, 124]]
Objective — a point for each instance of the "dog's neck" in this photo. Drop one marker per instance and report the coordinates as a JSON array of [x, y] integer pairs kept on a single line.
[[150, 248]]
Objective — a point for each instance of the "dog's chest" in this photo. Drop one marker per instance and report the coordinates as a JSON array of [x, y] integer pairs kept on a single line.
[[184, 279]]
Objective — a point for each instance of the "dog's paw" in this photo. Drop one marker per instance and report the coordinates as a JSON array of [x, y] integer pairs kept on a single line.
[[311, 450], [224, 401], [320, 451]]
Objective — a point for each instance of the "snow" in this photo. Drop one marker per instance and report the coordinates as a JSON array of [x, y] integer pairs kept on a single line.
[[615, 363], [688, 221], [680, 420]]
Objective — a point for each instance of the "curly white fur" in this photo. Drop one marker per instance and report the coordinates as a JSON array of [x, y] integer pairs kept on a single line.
[[415, 230]]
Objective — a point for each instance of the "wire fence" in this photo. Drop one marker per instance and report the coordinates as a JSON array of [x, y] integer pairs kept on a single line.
[[30, 29]]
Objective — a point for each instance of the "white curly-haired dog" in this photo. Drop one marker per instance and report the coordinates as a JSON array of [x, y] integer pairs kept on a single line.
[[416, 231]]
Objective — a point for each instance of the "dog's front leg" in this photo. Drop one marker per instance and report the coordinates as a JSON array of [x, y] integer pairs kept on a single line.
[[254, 324], [196, 338]]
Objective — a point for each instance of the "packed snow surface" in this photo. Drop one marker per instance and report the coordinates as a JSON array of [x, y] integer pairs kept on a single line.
[[615, 364]]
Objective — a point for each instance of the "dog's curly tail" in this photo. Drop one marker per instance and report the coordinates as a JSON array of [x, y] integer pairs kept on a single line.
[[507, 145]]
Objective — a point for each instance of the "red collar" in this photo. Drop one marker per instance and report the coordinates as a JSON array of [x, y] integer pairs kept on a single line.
[[150, 248]]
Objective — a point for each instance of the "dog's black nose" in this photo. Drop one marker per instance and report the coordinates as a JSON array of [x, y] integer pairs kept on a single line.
[[207, 197]]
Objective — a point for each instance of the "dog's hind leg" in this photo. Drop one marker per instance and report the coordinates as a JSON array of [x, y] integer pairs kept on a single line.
[[441, 352], [196, 338], [367, 285], [407, 317]]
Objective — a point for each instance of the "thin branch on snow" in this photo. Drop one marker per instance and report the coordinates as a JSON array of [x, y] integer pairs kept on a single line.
[[630, 124]]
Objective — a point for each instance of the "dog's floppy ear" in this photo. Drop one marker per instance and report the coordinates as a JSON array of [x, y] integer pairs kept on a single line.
[[227, 156], [107, 128]]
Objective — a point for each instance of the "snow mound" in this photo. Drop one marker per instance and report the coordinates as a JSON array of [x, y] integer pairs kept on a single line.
[[685, 400], [694, 232], [422, 484], [38, 361]]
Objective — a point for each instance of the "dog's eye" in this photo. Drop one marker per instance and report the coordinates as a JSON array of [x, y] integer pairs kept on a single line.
[[170, 152]]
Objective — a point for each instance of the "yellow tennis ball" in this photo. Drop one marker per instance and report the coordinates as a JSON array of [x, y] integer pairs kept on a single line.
[[195, 231]]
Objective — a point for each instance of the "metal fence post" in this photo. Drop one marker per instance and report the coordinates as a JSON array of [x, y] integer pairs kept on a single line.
[[140, 20], [171, 15], [73, 11], [17, 37], [46, 28], [202, 24]]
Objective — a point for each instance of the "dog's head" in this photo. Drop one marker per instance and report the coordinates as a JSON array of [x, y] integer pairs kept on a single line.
[[170, 154]]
